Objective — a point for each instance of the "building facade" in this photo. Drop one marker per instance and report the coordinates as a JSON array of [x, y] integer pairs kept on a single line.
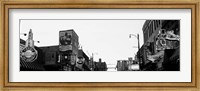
[[160, 36], [68, 48], [63, 57], [122, 65], [100, 66], [127, 65], [51, 58]]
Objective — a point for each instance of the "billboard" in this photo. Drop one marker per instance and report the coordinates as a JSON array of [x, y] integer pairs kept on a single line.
[[68, 40]]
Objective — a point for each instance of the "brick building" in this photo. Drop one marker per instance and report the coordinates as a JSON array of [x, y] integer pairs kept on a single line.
[[68, 48], [160, 37], [127, 65], [63, 57], [100, 66], [51, 58]]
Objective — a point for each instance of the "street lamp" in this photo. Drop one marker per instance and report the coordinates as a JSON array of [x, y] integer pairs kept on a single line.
[[92, 61], [94, 54], [137, 36]]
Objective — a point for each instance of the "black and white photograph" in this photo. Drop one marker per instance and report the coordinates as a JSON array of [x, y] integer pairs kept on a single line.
[[91, 45], [99, 45]]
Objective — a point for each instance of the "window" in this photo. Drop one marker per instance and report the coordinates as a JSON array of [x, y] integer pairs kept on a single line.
[[52, 55]]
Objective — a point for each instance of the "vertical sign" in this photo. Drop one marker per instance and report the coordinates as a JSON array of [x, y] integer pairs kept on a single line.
[[29, 53]]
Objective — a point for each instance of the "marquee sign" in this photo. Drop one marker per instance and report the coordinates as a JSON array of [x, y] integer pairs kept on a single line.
[[65, 47], [29, 53]]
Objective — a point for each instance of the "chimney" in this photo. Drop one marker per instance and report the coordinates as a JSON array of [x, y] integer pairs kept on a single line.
[[100, 60]]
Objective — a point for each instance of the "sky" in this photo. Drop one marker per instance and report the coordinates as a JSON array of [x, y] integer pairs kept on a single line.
[[107, 39]]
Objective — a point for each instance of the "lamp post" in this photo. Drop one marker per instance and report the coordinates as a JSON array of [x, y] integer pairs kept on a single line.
[[92, 69], [138, 38]]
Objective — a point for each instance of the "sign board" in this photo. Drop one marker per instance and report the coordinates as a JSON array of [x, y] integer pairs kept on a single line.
[[65, 47], [28, 54]]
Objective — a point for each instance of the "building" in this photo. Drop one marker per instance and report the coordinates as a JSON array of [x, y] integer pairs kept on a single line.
[[122, 65], [51, 58], [142, 57], [119, 66], [68, 48], [152, 28], [91, 64], [63, 57], [127, 65], [100, 66], [52, 62], [160, 37]]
